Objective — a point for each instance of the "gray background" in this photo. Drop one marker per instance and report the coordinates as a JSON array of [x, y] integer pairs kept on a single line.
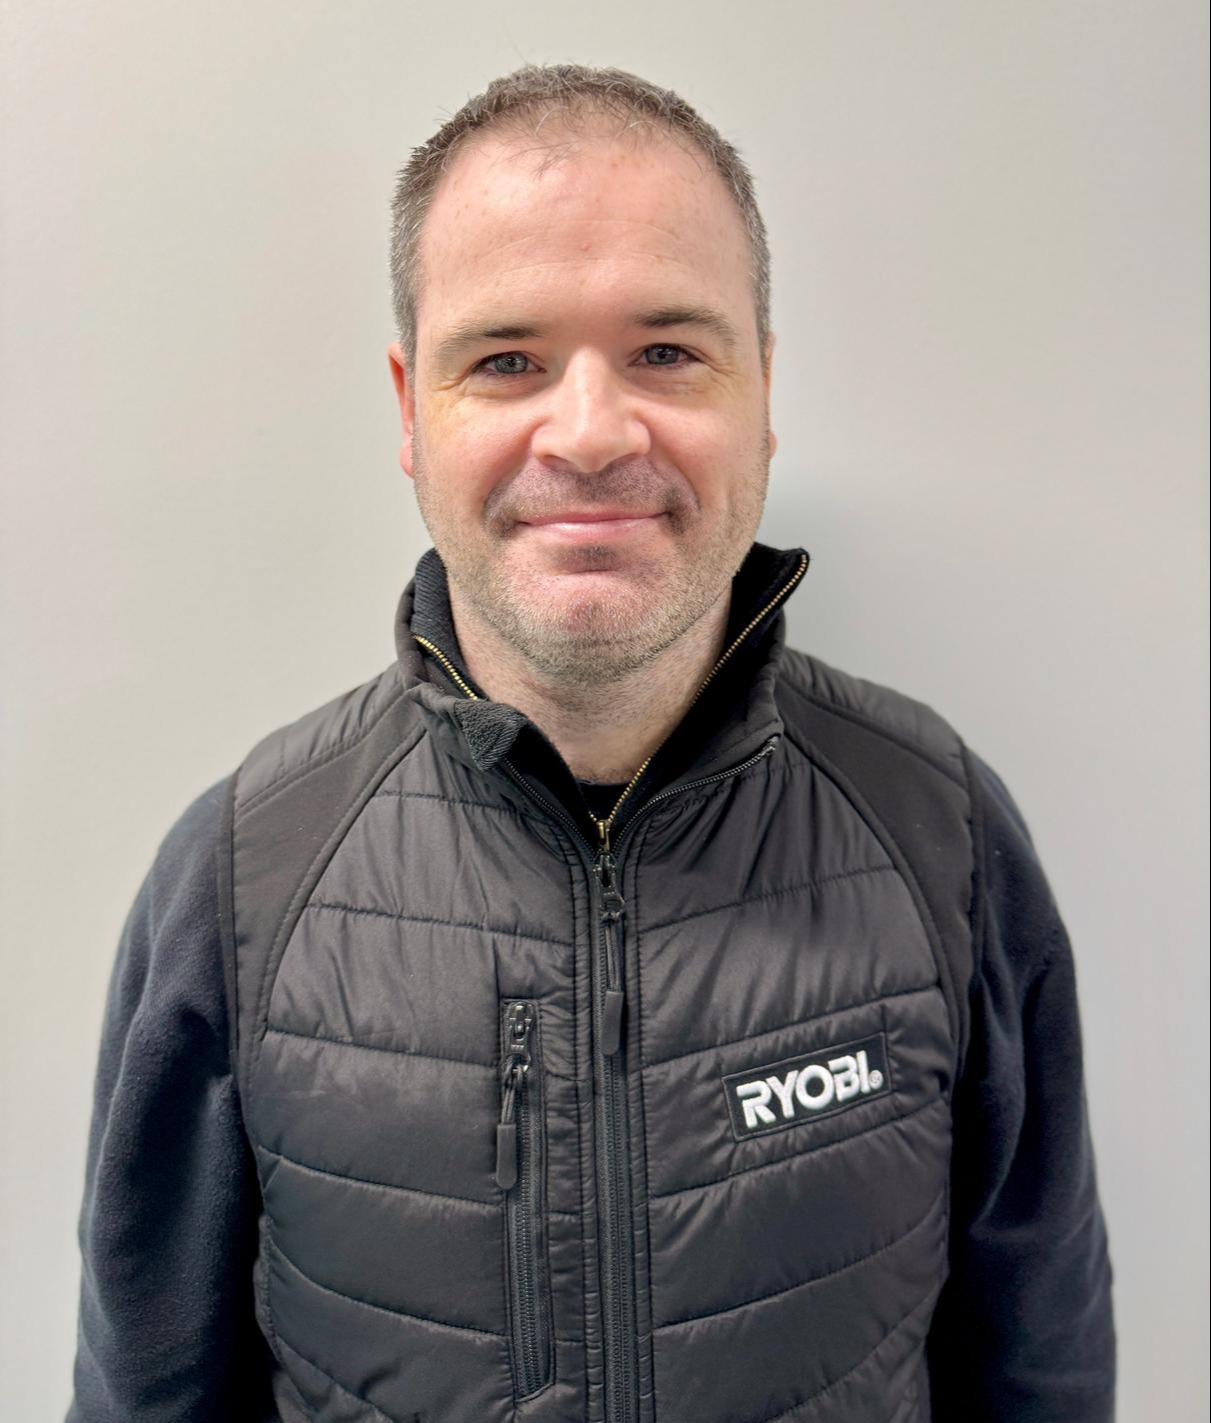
[[988, 223]]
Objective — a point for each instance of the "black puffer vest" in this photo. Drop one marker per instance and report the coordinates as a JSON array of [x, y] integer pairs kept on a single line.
[[641, 1122]]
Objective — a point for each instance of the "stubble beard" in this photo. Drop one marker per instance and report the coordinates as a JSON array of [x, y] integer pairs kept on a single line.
[[603, 636]]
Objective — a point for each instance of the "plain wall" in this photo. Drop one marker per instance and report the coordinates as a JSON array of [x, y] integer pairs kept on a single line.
[[988, 224]]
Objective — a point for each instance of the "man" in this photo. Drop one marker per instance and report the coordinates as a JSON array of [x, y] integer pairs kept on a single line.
[[606, 1012]]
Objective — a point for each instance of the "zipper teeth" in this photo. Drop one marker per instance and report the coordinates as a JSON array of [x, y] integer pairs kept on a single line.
[[606, 825], [780, 596], [448, 665], [620, 1269], [527, 1273], [702, 781], [566, 821], [527, 1212], [532, 1368]]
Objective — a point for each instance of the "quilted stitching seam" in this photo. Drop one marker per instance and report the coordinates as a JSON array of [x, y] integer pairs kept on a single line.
[[375, 1412], [372, 911], [806, 886], [799, 1155], [796, 1023], [838, 1270]]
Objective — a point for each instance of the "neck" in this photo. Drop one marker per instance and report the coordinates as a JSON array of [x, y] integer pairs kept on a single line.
[[607, 729]]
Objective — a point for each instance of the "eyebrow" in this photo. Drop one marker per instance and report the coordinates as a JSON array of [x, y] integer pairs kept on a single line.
[[473, 333], [704, 317]]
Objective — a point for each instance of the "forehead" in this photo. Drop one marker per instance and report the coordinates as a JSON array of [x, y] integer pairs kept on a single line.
[[523, 220]]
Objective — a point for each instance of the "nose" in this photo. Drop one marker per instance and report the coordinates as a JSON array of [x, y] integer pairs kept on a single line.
[[590, 420]]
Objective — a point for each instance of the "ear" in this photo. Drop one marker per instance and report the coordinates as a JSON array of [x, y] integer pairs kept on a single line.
[[767, 362], [405, 395]]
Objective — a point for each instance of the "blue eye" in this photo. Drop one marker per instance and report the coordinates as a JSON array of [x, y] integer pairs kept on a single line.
[[663, 355], [508, 363]]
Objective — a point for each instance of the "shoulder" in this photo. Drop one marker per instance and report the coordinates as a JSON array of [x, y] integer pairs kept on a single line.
[[182, 874], [1022, 921], [167, 969], [815, 692], [318, 735], [819, 693]]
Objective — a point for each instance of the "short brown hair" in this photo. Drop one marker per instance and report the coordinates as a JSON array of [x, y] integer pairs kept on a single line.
[[571, 92]]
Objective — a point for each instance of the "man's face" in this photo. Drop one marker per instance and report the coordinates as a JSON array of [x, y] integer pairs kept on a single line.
[[587, 423]]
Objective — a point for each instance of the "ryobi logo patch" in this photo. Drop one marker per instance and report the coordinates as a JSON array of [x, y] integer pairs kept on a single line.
[[797, 1089]]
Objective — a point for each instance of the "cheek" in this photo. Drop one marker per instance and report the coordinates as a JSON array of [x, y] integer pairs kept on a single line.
[[714, 452], [472, 449]]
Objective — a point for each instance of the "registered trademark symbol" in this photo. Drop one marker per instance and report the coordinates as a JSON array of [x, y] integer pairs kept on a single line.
[[876, 1079]]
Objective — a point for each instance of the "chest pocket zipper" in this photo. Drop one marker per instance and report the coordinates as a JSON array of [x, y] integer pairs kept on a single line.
[[520, 1173]]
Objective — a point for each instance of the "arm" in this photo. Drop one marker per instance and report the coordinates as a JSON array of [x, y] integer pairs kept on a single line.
[[168, 1223], [1024, 1330]]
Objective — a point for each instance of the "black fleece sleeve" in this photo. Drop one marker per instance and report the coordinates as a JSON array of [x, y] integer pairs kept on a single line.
[[168, 1223], [1024, 1330]]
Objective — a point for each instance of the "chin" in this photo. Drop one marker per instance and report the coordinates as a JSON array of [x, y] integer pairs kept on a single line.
[[597, 620]]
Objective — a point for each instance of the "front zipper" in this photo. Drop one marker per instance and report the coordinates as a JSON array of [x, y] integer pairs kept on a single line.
[[616, 1264], [615, 1258], [519, 1173]]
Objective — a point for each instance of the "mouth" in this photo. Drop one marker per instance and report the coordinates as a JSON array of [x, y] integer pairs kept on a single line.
[[593, 525]]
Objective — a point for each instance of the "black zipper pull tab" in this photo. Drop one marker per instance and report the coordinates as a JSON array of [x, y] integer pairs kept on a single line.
[[611, 1021], [613, 907], [519, 1019], [506, 1143]]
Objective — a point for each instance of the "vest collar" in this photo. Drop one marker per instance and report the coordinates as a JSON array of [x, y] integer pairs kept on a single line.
[[733, 715]]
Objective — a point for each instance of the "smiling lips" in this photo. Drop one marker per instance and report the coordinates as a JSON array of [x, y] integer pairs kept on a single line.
[[592, 525]]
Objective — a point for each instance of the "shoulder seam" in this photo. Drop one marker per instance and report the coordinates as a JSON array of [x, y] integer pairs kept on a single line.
[[306, 884], [869, 724], [225, 888], [976, 917], [283, 779], [905, 868]]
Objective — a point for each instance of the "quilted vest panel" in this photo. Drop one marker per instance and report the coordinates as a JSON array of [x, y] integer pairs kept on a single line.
[[452, 1209]]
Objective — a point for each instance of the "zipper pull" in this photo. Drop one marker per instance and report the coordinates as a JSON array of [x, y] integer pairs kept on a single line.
[[612, 903], [519, 1019], [506, 1135], [613, 907], [611, 1021]]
